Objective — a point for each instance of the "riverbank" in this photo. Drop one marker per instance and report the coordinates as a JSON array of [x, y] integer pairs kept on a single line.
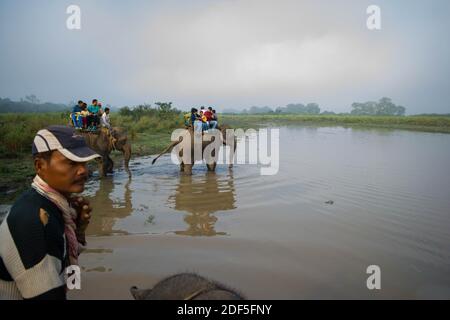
[[440, 124]]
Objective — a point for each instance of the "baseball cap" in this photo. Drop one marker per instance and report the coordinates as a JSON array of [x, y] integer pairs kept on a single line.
[[65, 140]]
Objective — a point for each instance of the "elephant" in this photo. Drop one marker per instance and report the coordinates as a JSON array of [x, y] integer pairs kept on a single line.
[[187, 140], [102, 143], [187, 286]]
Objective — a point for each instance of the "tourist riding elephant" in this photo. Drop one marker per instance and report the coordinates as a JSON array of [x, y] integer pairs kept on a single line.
[[186, 142], [104, 143]]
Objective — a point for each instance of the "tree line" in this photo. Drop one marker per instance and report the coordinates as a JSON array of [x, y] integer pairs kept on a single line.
[[384, 106], [161, 109], [30, 104]]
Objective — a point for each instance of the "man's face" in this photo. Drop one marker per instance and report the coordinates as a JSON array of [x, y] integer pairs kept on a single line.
[[107, 111], [62, 174], [94, 103]]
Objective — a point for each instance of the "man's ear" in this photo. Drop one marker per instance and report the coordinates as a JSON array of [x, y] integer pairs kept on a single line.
[[40, 165]]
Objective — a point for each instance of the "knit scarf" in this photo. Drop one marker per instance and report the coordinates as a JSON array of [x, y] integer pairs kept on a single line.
[[68, 213]]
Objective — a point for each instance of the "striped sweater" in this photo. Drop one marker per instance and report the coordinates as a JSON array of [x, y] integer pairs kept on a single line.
[[32, 250]]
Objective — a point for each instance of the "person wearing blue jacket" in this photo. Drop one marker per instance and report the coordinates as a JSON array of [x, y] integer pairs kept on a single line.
[[76, 115]]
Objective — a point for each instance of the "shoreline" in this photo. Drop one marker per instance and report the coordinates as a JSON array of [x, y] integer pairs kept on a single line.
[[430, 124]]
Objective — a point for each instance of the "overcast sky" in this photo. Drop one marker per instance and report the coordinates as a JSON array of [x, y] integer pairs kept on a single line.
[[228, 54]]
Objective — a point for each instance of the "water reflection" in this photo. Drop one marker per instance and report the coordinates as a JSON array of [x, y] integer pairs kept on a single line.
[[112, 207], [202, 196]]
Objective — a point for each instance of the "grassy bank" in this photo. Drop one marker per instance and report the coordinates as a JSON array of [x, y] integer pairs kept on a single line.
[[416, 123]]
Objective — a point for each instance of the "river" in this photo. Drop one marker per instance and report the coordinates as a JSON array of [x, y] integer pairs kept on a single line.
[[342, 200]]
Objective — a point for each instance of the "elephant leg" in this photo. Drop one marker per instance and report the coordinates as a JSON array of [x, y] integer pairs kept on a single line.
[[104, 166], [233, 153], [127, 156], [110, 165], [211, 167], [188, 169], [181, 167], [101, 166]]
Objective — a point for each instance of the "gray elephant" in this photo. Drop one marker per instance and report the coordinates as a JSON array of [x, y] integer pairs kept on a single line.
[[104, 143], [186, 286], [186, 142]]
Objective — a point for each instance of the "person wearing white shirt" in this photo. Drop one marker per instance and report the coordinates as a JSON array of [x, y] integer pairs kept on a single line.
[[104, 120]]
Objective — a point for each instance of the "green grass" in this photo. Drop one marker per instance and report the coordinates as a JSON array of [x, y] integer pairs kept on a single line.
[[17, 130], [15, 177], [149, 134], [416, 123]]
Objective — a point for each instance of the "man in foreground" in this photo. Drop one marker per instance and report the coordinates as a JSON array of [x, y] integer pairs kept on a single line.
[[42, 233]]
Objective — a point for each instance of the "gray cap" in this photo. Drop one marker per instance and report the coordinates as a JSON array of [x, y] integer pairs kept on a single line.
[[64, 139]]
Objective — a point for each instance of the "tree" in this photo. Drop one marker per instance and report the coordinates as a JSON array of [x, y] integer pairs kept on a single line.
[[260, 110], [400, 111], [312, 108], [32, 99], [7, 105], [367, 108], [299, 108], [384, 106], [164, 106], [294, 108]]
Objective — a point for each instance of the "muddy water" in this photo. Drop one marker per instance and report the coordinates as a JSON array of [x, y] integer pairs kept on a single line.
[[343, 199]]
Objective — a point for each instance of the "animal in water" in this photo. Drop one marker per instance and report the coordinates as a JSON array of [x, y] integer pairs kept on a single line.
[[186, 286], [104, 143], [189, 136]]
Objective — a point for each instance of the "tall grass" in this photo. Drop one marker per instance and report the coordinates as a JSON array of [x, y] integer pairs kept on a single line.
[[18, 130]]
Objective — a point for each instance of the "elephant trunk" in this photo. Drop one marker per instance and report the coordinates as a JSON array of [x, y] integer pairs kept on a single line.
[[126, 149]]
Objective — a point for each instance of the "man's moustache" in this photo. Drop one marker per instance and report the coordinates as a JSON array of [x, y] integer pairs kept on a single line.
[[81, 180]]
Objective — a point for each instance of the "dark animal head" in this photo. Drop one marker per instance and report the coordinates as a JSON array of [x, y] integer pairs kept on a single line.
[[186, 286], [139, 294], [121, 138]]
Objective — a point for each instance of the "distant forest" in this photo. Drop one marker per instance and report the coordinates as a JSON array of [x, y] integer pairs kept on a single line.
[[384, 106], [30, 104]]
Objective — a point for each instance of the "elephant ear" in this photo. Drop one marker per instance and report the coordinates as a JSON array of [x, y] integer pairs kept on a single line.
[[138, 294], [124, 133]]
